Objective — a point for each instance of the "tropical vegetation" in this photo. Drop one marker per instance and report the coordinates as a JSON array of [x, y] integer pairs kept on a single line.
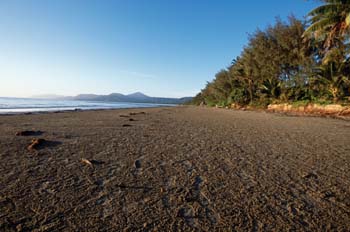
[[289, 61]]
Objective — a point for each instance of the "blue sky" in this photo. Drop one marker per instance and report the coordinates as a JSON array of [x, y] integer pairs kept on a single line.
[[167, 48]]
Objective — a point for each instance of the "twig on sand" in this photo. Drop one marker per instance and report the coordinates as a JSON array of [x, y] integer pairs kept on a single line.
[[86, 161], [35, 144]]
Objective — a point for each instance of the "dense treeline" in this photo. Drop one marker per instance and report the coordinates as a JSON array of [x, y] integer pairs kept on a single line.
[[289, 61]]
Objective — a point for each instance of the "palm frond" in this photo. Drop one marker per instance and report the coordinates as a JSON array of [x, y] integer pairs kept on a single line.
[[347, 20], [325, 9], [320, 25]]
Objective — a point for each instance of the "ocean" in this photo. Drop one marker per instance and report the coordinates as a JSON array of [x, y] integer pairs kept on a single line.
[[26, 105]]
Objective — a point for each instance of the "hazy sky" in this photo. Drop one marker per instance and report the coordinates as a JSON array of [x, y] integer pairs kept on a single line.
[[160, 47]]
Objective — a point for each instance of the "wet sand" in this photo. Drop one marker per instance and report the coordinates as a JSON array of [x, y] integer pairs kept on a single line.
[[173, 169]]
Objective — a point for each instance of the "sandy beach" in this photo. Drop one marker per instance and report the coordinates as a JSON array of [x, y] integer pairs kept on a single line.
[[174, 169]]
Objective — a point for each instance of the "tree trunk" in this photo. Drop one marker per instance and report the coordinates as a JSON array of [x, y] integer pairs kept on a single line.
[[250, 90]]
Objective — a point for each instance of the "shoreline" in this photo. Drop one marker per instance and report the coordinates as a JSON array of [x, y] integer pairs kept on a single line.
[[79, 110]]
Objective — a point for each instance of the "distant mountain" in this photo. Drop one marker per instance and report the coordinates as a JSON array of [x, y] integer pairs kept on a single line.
[[137, 97]]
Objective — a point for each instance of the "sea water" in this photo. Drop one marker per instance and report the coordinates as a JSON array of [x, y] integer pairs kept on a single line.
[[26, 105]]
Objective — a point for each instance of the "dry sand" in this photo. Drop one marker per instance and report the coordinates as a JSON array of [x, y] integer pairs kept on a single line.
[[171, 169]]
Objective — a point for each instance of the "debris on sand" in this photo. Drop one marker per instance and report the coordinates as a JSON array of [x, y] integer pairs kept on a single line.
[[136, 113], [28, 133], [310, 175], [126, 125], [91, 162], [36, 143], [131, 119], [86, 161]]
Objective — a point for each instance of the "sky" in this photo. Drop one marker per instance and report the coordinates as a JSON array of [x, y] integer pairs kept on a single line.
[[167, 48]]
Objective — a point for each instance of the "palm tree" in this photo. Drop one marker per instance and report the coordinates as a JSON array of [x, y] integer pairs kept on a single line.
[[334, 76], [330, 25], [271, 87], [330, 22]]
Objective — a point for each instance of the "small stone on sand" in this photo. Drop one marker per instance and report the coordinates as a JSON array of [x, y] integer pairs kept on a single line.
[[138, 164]]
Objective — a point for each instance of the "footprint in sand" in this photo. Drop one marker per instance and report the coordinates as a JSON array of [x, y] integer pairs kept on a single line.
[[195, 194], [167, 199], [188, 166], [187, 213]]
